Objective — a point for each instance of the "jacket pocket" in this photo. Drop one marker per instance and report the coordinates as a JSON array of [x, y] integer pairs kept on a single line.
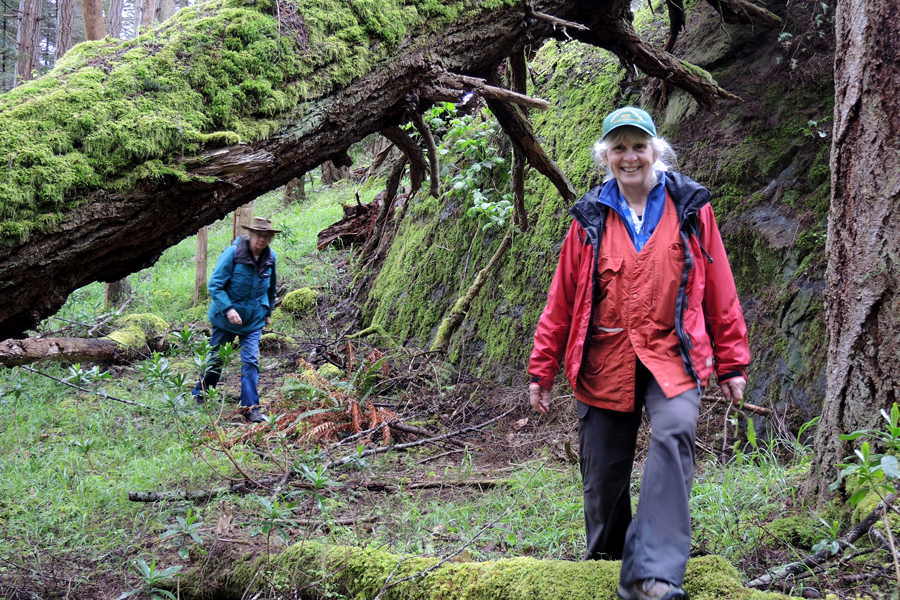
[[667, 274], [609, 291]]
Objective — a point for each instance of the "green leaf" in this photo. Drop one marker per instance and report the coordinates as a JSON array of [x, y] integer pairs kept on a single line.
[[183, 553], [859, 495], [890, 467]]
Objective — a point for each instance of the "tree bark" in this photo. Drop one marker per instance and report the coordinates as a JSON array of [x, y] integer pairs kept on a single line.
[[200, 286], [65, 27], [116, 292], [148, 14], [242, 216], [24, 352], [863, 307], [92, 13], [295, 190], [114, 17], [116, 231], [28, 39], [166, 10]]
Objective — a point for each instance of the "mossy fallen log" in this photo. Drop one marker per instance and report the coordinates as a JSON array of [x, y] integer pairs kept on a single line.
[[314, 569], [127, 147]]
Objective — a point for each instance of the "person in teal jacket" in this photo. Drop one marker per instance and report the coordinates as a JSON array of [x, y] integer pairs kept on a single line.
[[242, 289]]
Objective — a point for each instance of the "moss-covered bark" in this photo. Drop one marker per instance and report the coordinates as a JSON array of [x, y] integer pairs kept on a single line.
[[317, 570]]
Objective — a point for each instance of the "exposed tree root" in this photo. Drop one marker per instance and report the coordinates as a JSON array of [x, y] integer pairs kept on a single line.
[[456, 315]]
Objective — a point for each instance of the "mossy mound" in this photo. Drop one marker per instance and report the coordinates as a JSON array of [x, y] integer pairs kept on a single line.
[[329, 371], [798, 531], [361, 573], [277, 342], [148, 322], [300, 302], [132, 330]]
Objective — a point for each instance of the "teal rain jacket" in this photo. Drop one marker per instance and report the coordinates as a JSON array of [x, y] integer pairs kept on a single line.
[[238, 283]]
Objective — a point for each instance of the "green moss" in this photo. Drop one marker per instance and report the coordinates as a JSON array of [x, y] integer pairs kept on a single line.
[[798, 531], [132, 337], [329, 371], [113, 113], [149, 323], [300, 301], [362, 573], [277, 341]]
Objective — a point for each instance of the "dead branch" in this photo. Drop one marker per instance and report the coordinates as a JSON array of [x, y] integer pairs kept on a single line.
[[517, 77], [759, 410], [450, 87], [417, 165], [456, 315], [390, 193], [433, 161], [81, 389], [246, 487], [740, 11], [400, 426], [676, 22], [30, 350], [520, 133], [529, 12], [823, 555]]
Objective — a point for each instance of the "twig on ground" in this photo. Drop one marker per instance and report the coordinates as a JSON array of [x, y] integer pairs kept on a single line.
[[441, 455], [825, 555], [78, 387], [388, 584]]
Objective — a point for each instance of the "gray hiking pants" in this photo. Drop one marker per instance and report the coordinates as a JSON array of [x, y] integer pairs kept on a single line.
[[657, 542]]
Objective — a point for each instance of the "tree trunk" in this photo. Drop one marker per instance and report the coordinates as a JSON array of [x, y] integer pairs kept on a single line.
[[114, 17], [295, 190], [65, 27], [28, 39], [331, 173], [148, 14], [200, 289], [863, 307], [92, 13], [242, 216], [117, 292], [113, 216], [166, 9]]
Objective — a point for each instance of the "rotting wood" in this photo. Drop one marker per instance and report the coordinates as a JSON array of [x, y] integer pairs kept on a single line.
[[30, 350], [450, 87], [387, 204], [417, 164], [521, 134]]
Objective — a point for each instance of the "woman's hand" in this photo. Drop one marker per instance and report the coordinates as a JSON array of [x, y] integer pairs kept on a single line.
[[234, 318], [539, 398], [733, 389]]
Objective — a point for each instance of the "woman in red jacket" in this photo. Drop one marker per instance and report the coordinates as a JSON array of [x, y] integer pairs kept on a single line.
[[643, 308]]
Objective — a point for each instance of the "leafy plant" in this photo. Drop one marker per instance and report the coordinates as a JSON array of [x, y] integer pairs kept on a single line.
[[873, 472], [151, 578], [276, 516], [186, 528], [317, 478]]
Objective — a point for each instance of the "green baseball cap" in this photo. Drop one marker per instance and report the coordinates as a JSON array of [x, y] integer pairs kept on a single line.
[[629, 115]]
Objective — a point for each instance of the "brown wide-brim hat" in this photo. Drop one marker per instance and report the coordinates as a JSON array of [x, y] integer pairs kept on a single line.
[[261, 225]]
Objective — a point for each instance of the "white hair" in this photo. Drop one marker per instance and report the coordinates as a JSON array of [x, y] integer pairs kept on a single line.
[[665, 155]]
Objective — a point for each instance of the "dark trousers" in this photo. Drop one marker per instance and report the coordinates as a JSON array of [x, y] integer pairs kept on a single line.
[[657, 542]]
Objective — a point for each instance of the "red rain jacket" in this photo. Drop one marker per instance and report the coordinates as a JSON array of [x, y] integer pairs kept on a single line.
[[706, 306]]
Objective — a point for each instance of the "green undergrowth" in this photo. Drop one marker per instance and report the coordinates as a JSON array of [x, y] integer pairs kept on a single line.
[[113, 114]]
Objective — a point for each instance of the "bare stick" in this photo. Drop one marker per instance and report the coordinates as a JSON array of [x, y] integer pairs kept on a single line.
[[401, 426], [555, 20], [77, 387]]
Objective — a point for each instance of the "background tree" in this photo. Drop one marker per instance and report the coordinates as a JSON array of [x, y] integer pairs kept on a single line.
[[114, 18], [92, 13], [28, 39], [65, 27], [863, 305]]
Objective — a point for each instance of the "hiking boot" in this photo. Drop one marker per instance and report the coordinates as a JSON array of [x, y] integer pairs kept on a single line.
[[651, 589], [254, 416]]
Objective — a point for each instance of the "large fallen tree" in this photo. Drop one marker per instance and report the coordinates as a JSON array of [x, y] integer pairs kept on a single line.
[[128, 147]]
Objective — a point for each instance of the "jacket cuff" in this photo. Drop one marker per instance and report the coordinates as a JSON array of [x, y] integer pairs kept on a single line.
[[544, 382], [731, 375]]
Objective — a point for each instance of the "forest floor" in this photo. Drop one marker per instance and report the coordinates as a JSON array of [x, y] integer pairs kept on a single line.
[[508, 485]]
